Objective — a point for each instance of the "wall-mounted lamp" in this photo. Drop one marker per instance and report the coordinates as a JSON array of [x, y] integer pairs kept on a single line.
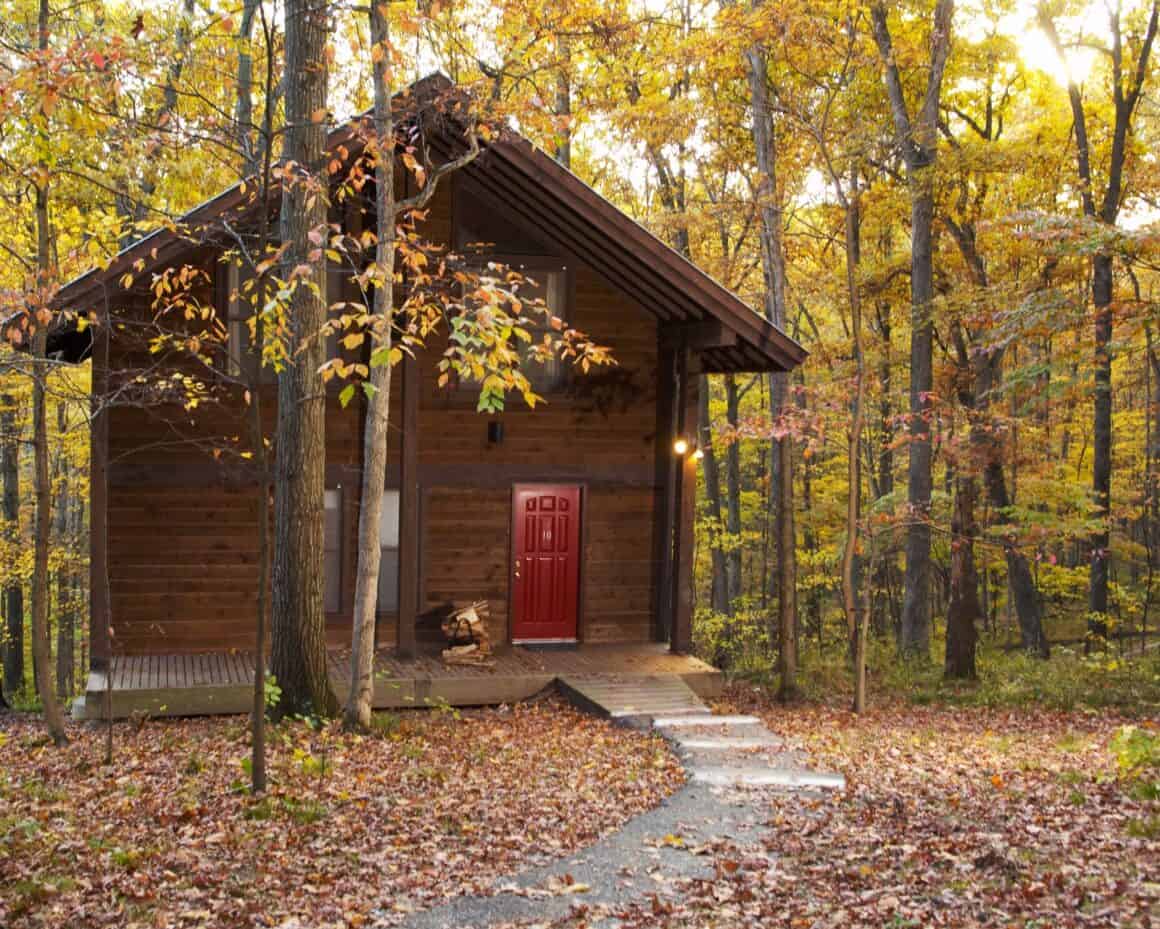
[[494, 432], [698, 454], [681, 445]]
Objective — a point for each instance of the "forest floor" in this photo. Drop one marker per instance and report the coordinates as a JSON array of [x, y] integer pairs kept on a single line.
[[953, 816], [436, 804]]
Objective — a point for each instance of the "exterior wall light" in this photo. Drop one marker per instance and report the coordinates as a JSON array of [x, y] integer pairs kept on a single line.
[[681, 445], [698, 454]]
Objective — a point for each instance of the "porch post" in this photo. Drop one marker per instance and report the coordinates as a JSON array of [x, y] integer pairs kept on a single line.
[[663, 503], [100, 641], [409, 510], [685, 506]]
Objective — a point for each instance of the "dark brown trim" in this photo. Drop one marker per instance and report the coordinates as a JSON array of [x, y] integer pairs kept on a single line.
[[409, 510], [561, 207], [685, 501], [487, 474], [208, 473], [612, 263], [482, 474], [653, 257], [100, 619], [663, 494], [700, 337]]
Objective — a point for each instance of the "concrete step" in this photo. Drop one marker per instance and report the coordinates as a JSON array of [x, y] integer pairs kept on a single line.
[[759, 776], [700, 743], [634, 697], [683, 722]]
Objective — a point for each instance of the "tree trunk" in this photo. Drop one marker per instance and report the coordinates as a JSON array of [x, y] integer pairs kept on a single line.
[[1102, 281], [248, 143], [41, 647], [1126, 96], [13, 589], [719, 582], [850, 599], [787, 576], [860, 647], [732, 493], [984, 363], [963, 610], [917, 135], [885, 608], [1019, 577], [916, 617], [298, 658], [65, 655], [563, 103], [258, 706], [258, 781], [358, 708], [42, 483], [781, 450]]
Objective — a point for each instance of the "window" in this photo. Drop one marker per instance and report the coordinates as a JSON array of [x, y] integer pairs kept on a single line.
[[243, 360], [550, 285], [388, 593], [237, 326], [547, 285], [388, 597], [332, 549], [485, 227]]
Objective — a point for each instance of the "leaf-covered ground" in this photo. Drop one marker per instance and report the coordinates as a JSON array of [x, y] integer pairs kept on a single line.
[[952, 817], [432, 807]]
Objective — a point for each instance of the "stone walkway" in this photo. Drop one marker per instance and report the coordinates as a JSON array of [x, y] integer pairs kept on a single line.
[[736, 768]]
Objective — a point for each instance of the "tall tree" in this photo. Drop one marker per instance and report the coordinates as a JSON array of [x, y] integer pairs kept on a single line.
[[1127, 84], [358, 707], [42, 527], [917, 138], [13, 588], [65, 608], [298, 641], [781, 449]]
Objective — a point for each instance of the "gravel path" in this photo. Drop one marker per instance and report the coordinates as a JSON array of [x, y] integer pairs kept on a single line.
[[735, 765]]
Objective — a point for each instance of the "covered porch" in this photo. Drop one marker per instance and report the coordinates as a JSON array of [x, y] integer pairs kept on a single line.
[[220, 683]]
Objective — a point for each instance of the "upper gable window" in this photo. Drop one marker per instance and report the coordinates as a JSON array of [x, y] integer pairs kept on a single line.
[[485, 229], [236, 306]]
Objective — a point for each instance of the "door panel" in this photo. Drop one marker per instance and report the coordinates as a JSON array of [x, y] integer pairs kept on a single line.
[[546, 576]]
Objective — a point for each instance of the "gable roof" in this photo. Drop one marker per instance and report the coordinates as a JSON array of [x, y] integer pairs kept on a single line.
[[561, 207]]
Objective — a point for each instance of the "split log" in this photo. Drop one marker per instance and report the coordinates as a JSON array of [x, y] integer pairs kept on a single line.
[[467, 636]]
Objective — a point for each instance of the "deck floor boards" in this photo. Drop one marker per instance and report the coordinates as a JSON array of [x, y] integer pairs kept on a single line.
[[220, 682]]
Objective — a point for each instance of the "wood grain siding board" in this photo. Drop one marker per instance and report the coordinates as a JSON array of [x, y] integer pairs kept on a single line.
[[182, 533]]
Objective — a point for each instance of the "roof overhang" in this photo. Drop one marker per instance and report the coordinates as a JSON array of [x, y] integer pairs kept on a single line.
[[688, 304]]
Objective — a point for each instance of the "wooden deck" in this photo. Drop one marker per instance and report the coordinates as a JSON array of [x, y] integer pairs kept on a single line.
[[221, 683]]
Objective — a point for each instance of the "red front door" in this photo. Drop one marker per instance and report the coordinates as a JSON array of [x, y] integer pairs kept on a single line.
[[546, 575]]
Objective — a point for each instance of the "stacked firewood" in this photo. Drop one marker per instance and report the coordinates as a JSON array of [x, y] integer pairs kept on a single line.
[[467, 639]]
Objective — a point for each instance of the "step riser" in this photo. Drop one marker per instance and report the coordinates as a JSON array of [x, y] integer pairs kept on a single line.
[[726, 745], [768, 777], [679, 722]]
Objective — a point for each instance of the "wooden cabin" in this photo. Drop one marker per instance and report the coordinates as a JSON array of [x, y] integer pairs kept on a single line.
[[574, 521]]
